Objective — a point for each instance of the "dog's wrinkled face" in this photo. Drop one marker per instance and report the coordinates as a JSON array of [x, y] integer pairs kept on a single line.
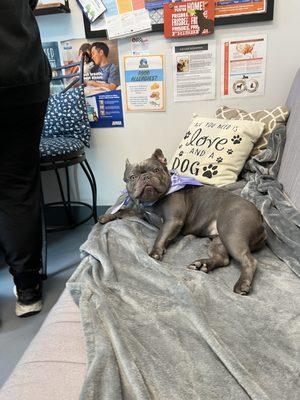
[[149, 180]]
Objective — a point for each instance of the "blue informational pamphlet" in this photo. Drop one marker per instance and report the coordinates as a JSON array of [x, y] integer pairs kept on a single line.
[[105, 109]]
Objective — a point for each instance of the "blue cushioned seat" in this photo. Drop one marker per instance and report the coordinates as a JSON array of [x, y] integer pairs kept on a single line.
[[61, 147]]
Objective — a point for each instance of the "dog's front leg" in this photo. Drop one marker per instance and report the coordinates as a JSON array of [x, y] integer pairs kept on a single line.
[[167, 233], [123, 213]]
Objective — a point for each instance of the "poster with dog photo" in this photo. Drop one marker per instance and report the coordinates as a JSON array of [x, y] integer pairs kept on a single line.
[[194, 71], [189, 18], [101, 79], [243, 66]]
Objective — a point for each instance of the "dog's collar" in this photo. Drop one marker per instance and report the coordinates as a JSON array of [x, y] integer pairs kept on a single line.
[[178, 182]]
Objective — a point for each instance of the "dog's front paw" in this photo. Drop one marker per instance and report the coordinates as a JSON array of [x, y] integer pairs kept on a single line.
[[103, 219], [157, 254], [199, 265], [242, 287]]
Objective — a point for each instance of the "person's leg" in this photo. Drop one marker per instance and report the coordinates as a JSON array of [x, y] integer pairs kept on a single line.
[[20, 198]]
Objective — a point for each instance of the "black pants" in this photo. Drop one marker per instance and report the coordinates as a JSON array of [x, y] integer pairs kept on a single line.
[[20, 192]]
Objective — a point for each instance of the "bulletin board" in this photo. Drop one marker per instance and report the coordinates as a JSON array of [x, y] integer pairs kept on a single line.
[[231, 12]]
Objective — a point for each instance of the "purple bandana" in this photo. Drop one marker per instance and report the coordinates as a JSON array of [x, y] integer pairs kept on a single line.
[[178, 182]]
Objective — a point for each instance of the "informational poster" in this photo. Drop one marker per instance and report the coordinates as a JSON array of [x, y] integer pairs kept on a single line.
[[101, 79], [189, 18], [123, 18], [243, 66], [92, 8], [145, 83], [51, 50], [194, 73], [227, 8]]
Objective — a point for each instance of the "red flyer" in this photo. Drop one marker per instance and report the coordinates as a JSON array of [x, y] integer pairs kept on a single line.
[[189, 18]]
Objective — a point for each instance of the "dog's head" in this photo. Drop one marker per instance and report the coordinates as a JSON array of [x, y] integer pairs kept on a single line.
[[148, 180]]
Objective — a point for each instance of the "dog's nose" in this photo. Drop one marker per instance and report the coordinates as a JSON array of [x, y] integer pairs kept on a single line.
[[146, 177]]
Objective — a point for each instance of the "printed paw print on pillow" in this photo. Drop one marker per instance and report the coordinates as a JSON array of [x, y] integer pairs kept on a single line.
[[181, 154], [236, 139], [219, 159], [187, 135], [229, 151], [210, 171]]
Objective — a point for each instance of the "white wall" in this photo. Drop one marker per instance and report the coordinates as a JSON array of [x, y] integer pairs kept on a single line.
[[144, 132]]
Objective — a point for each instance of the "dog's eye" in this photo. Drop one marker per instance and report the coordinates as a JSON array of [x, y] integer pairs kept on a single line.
[[132, 177], [156, 170]]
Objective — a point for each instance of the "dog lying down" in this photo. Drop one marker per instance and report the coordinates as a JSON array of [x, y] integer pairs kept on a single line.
[[233, 223]]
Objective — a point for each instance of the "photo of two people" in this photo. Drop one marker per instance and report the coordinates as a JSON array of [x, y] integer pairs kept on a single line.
[[101, 63], [101, 78]]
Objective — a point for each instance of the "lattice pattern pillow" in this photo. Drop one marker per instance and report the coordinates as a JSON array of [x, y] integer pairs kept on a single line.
[[271, 118]]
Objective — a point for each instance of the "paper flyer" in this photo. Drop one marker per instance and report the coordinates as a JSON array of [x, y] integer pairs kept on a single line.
[[92, 8], [189, 18], [194, 71], [144, 83], [101, 79], [225, 8], [139, 45], [243, 66], [124, 18]]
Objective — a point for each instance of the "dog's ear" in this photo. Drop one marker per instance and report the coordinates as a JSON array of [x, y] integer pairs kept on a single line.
[[127, 166], [127, 163], [158, 154]]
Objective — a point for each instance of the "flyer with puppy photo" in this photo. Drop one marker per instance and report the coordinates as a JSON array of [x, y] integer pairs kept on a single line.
[[194, 71]]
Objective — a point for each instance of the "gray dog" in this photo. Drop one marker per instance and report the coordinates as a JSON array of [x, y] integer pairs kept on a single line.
[[233, 223]]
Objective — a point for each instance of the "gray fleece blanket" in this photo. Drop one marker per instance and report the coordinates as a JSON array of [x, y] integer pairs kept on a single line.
[[155, 330]]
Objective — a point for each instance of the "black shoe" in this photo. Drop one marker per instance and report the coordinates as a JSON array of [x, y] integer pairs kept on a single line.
[[29, 301]]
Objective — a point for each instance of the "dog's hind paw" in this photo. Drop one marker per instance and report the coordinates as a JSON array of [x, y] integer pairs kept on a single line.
[[242, 288], [157, 254]]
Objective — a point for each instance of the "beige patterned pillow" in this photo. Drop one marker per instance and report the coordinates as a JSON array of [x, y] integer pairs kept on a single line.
[[215, 151], [271, 119]]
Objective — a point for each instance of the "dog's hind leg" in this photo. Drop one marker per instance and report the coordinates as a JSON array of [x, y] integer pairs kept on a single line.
[[218, 257], [238, 247]]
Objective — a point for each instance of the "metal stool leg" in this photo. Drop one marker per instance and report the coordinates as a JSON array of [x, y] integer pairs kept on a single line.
[[95, 189], [44, 240], [68, 187], [88, 172], [65, 204]]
